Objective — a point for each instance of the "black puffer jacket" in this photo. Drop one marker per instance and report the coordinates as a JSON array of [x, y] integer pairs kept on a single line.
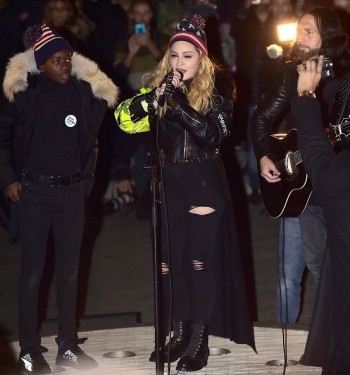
[[17, 119], [21, 88]]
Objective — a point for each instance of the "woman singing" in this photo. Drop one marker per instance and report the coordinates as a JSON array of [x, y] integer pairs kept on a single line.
[[201, 254]]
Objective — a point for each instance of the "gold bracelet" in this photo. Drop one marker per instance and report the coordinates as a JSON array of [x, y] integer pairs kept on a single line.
[[307, 93]]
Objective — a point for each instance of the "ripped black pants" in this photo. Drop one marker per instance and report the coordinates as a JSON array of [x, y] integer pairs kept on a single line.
[[194, 203]]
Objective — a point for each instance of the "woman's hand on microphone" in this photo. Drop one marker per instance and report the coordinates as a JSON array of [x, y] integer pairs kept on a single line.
[[176, 82], [170, 82], [177, 79]]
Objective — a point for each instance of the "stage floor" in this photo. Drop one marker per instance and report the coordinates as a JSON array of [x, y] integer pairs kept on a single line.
[[240, 359]]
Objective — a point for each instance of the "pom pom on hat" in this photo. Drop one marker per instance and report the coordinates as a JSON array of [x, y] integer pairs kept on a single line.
[[192, 32], [45, 42], [32, 34], [198, 22]]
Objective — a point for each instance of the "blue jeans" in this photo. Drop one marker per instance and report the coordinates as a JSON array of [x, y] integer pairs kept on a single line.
[[302, 241], [290, 270]]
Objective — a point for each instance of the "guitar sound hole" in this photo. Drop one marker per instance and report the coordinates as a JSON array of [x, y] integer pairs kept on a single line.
[[289, 163]]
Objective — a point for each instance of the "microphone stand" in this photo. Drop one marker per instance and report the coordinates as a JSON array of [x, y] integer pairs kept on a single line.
[[156, 243]]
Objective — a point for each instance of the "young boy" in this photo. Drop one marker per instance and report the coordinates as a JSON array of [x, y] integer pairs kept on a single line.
[[48, 129]]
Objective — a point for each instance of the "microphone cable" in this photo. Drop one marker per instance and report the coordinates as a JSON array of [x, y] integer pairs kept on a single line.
[[282, 320]]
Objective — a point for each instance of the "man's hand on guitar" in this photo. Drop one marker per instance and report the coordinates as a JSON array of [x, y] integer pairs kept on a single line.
[[268, 170]]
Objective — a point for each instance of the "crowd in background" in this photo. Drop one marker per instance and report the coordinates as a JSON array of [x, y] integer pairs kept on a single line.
[[238, 33]]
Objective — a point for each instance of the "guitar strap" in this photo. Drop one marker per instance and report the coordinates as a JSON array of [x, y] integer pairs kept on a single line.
[[341, 106]]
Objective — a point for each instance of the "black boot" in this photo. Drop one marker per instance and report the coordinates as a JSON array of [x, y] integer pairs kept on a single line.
[[178, 343], [197, 353]]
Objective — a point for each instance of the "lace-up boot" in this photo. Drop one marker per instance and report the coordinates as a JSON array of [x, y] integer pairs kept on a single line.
[[197, 353], [178, 343]]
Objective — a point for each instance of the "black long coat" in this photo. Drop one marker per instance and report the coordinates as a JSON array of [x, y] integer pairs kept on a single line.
[[328, 342]]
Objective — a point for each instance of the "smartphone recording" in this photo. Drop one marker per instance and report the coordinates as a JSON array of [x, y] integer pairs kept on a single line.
[[140, 29]]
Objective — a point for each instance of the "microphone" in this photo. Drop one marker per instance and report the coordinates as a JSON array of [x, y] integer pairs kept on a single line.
[[168, 80], [169, 87]]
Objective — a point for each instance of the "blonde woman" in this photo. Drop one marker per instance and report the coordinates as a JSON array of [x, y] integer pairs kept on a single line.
[[203, 259]]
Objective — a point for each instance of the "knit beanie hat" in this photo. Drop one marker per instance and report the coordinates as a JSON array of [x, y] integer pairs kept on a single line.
[[192, 32], [45, 42]]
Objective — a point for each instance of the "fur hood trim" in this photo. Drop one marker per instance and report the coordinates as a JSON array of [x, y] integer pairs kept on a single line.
[[83, 68]]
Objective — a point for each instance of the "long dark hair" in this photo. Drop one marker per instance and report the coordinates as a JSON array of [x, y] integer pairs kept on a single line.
[[335, 42]]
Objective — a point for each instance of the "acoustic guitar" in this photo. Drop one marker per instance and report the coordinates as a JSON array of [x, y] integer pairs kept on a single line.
[[289, 196]]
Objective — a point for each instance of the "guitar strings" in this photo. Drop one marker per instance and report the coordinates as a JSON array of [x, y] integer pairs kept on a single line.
[[281, 163]]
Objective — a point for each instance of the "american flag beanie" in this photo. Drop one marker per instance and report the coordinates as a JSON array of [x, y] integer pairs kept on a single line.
[[191, 31], [45, 42]]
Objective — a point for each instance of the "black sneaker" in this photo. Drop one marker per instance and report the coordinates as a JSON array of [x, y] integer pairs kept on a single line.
[[76, 358], [33, 363]]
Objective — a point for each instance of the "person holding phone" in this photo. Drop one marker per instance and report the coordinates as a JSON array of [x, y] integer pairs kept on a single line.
[[140, 56], [143, 50]]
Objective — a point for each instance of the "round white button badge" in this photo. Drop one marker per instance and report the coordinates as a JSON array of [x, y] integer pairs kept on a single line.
[[70, 121]]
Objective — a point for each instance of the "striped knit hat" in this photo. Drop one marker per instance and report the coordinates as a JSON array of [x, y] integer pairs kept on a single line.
[[192, 32], [45, 42]]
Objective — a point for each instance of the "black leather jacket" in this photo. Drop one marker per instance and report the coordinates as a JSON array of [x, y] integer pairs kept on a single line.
[[277, 103], [185, 134]]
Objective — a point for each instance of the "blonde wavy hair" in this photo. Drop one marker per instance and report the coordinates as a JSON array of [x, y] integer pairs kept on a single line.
[[200, 93]]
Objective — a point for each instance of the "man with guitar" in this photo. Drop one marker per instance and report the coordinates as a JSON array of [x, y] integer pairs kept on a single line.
[[328, 341], [303, 236]]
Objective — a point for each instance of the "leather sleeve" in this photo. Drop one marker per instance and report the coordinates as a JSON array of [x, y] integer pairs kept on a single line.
[[265, 117], [210, 128]]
